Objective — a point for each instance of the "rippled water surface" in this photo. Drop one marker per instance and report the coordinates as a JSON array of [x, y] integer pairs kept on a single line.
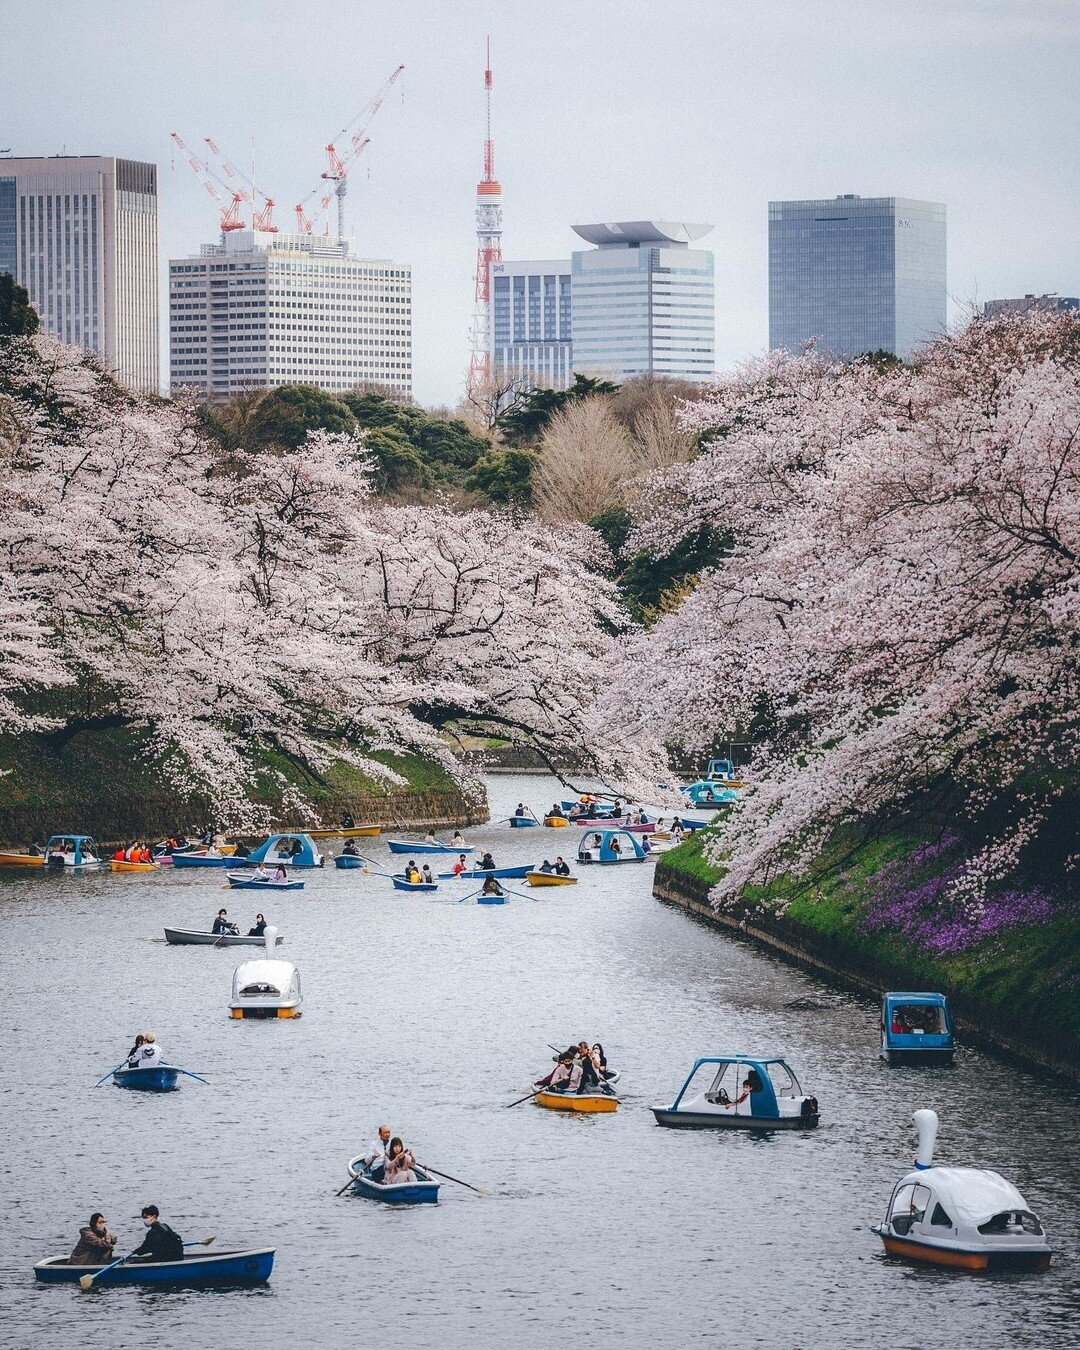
[[432, 1015]]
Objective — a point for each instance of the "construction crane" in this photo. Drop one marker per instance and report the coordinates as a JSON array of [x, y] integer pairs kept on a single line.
[[230, 212], [337, 170], [261, 216]]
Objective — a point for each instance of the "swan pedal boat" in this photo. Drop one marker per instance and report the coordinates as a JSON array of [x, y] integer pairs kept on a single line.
[[154, 1078], [187, 937], [250, 1265], [592, 1103], [422, 1191], [246, 882], [549, 879]]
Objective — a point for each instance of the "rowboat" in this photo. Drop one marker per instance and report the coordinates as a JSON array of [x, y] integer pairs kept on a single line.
[[351, 832], [400, 884], [549, 879], [187, 937], [202, 860], [556, 822], [157, 1078], [21, 860], [522, 822], [344, 861], [422, 1191], [122, 865], [251, 1265], [476, 875], [408, 846], [594, 1103], [242, 882]]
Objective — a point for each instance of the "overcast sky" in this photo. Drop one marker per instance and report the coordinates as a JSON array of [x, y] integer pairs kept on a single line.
[[697, 110]]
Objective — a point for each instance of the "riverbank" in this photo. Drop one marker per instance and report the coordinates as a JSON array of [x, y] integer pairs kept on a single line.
[[1016, 992], [104, 783]]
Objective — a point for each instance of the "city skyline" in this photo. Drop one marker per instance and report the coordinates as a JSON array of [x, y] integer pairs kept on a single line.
[[729, 114]]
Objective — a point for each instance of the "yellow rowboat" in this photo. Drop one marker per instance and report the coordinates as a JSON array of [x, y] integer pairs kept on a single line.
[[353, 832], [556, 822], [549, 879], [574, 1101], [21, 860], [117, 865]]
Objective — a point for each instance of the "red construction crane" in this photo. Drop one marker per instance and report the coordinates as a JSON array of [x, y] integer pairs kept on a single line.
[[337, 171], [230, 212], [261, 216]]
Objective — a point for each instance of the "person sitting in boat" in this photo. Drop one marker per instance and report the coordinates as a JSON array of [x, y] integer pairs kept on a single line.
[[560, 1074], [600, 1060], [546, 866], [350, 850], [751, 1084], [296, 848], [133, 1053], [259, 928], [614, 845], [412, 873], [259, 872], [95, 1244], [487, 863], [399, 1163], [161, 1243], [458, 840], [224, 926], [429, 880], [521, 812], [35, 850], [491, 887], [241, 850], [562, 868], [281, 872], [375, 1157], [120, 855], [460, 866], [345, 820], [429, 838]]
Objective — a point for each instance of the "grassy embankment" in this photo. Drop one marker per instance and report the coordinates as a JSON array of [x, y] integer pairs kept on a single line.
[[1029, 970]]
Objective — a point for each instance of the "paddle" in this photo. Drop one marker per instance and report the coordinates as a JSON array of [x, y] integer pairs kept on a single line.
[[447, 1177], [85, 1281], [201, 1242], [345, 1187], [110, 1073], [206, 1241], [524, 1099]]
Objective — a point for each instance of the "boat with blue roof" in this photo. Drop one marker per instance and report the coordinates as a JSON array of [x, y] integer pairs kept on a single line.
[[296, 850], [72, 850], [611, 846], [740, 1092], [916, 1028]]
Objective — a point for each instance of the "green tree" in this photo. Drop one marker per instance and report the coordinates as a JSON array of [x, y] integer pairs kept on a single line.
[[397, 467], [527, 420], [504, 477], [645, 578], [18, 317], [288, 413]]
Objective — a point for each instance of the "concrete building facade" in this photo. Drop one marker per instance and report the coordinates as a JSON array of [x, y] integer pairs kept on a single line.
[[80, 232], [1027, 304], [858, 274], [262, 309], [530, 322]]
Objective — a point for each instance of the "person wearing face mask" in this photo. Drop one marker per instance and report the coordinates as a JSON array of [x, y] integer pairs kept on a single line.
[[160, 1242], [95, 1244]]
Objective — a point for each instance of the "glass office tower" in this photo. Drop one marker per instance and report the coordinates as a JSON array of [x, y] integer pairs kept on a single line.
[[858, 274], [530, 327]]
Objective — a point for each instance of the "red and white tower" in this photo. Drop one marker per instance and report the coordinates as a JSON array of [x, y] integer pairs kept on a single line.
[[488, 249]]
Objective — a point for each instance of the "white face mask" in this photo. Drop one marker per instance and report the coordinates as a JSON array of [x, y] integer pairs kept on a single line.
[[148, 1222], [99, 1228]]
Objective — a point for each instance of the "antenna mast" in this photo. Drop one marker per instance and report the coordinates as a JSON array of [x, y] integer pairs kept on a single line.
[[488, 250]]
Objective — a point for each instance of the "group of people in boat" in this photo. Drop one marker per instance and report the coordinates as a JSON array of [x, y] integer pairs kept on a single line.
[[559, 867], [224, 926], [580, 1068], [416, 876], [458, 841], [260, 872], [146, 1053], [387, 1160], [96, 1242]]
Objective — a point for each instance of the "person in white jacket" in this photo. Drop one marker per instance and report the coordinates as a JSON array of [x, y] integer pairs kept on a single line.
[[375, 1157], [147, 1055]]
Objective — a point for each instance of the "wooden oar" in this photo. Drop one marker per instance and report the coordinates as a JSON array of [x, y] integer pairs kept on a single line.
[[85, 1281], [346, 1186], [525, 1098], [447, 1177], [202, 1242], [110, 1073]]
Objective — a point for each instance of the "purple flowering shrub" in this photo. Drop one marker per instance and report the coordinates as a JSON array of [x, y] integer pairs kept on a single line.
[[915, 896]]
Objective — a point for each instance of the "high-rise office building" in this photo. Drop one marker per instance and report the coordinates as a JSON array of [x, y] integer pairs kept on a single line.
[[859, 274], [80, 233], [261, 309], [530, 329], [643, 301], [1027, 304]]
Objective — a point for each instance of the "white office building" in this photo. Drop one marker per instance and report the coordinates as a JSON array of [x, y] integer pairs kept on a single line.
[[80, 233], [530, 322], [643, 301], [262, 309]]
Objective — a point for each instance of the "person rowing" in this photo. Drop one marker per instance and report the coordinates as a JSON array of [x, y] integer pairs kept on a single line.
[[491, 887], [487, 863], [562, 869], [346, 821], [350, 850], [546, 866], [161, 1243], [224, 926], [375, 1157], [559, 1076], [146, 1053]]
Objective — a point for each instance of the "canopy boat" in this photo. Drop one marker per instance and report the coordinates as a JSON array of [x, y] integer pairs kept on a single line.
[[611, 846], [968, 1218], [122, 865], [401, 884], [22, 860], [422, 1191], [154, 1078], [244, 881], [187, 937], [586, 811], [347, 832], [72, 850], [719, 786], [523, 822], [916, 1029], [737, 1092], [204, 858], [344, 861], [407, 846], [298, 850], [476, 874], [249, 1265], [537, 878], [592, 1103], [267, 987]]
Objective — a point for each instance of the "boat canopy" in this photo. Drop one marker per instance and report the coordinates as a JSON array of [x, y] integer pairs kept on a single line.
[[720, 1075], [916, 1021], [610, 846], [75, 846], [265, 983], [296, 850], [972, 1196]]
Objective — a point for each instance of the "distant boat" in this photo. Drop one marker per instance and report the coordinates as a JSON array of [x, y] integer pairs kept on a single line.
[[738, 1092], [591, 1103], [476, 874], [347, 832], [537, 878], [916, 1029], [186, 937], [122, 865], [400, 884], [410, 846], [244, 881], [204, 859], [22, 860], [155, 1078], [523, 822]]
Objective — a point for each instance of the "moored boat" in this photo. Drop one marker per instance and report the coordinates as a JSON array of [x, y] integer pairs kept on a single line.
[[423, 1191], [967, 1218], [536, 878], [187, 937], [410, 846], [739, 1092], [591, 1103], [249, 1265], [244, 881], [155, 1078], [916, 1028]]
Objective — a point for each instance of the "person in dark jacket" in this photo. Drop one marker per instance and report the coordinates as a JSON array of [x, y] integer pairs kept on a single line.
[[160, 1242], [95, 1244], [260, 927]]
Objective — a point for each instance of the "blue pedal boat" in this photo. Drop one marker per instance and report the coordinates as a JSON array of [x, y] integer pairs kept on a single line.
[[242, 882], [739, 1092], [72, 850], [252, 1265], [916, 1028], [295, 849], [475, 874], [422, 1191], [400, 884], [154, 1078], [407, 846], [611, 846], [344, 861]]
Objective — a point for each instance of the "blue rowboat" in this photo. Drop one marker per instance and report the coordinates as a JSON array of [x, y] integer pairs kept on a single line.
[[347, 860], [158, 1078], [422, 1191], [400, 884], [522, 822], [476, 875], [483, 899], [249, 1266], [202, 860], [249, 883], [406, 846]]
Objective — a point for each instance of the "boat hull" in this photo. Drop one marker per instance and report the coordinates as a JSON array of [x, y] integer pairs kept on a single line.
[[21, 860], [932, 1055], [201, 860], [294, 1011], [925, 1253], [423, 1191], [185, 937], [251, 884], [549, 879], [400, 884], [115, 865], [556, 822], [161, 1078], [403, 846], [251, 1266], [522, 822], [705, 1120], [345, 861], [475, 874], [610, 862], [353, 832], [584, 1102]]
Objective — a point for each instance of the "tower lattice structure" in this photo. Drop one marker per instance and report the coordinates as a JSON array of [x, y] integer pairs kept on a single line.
[[488, 250]]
